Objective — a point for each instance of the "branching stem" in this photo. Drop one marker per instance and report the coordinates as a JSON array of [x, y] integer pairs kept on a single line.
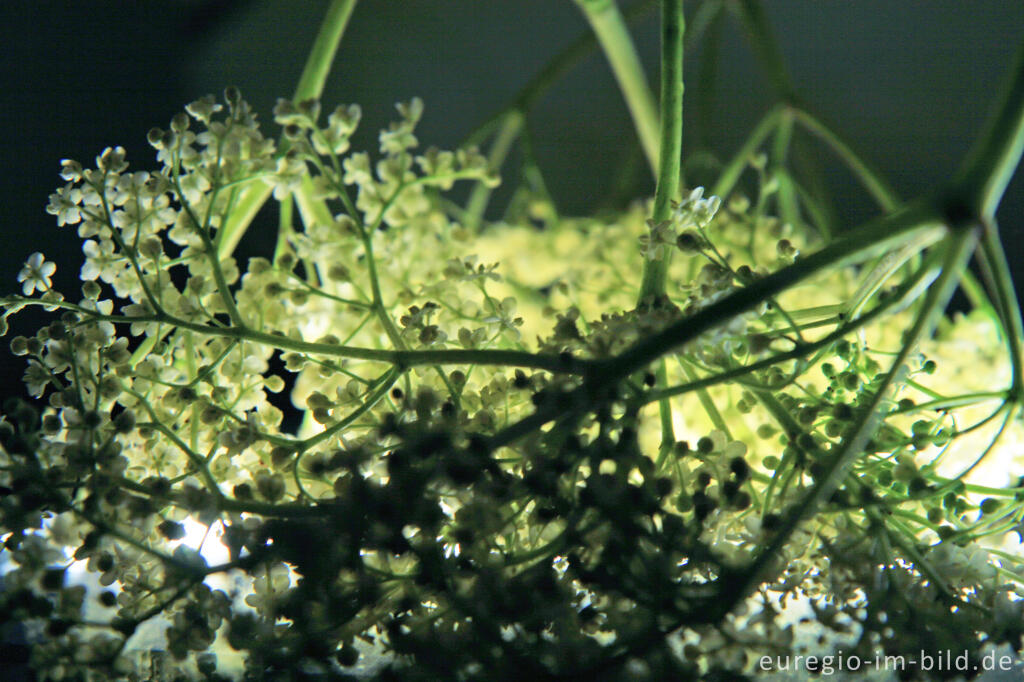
[[958, 250]]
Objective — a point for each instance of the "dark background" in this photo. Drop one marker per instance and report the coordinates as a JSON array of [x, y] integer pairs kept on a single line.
[[908, 83]]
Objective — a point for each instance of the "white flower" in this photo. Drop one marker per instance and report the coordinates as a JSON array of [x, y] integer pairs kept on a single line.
[[340, 125], [194, 186], [357, 170], [36, 274], [203, 108], [268, 588], [36, 378], [98, 256], [695, 211], [287, 177], [106, 329], [65, 205], [70, 170], [111, 160]]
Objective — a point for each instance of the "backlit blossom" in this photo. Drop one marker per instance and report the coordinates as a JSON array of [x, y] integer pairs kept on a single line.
[[64, 204], [36, 274]]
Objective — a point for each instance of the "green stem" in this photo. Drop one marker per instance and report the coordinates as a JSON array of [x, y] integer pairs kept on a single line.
[[704, 18], [285, 228], [559, 66], [882, 270], [805, 349], [954, 402], [556, 364], [1006, 299], [786, 194], [751, 14], [705, 400], [976, 192], [672, 29], [853, 444], [990, 164], [730, 175], [910, 222], [325, 47], [313, 211], [409, 358], [311, 85], [668, 434], [196, 459], [905, 539], [380, 310], [222, 285], [481, 193], [655, 271], [248, 204], [371, 400], [992, 443], [880, 190], [610, 28], [976, 294]]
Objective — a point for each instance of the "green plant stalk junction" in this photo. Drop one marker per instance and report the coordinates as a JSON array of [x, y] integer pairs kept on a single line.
[[628, 447]]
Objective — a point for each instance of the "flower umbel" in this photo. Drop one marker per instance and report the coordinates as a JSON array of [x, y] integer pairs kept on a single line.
[[597, 461]]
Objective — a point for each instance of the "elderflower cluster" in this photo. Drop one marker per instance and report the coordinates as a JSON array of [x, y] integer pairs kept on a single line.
[[369, 488]]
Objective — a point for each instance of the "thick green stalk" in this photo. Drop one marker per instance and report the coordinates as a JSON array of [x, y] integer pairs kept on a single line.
[[248, 203], [706, 401], [1005, 295], [990, 164], [311, 209], [565, 61], [655, 270], [325, 47], [672, 28], [251, 197], [610, 28], [976, 192], [786, 194]]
